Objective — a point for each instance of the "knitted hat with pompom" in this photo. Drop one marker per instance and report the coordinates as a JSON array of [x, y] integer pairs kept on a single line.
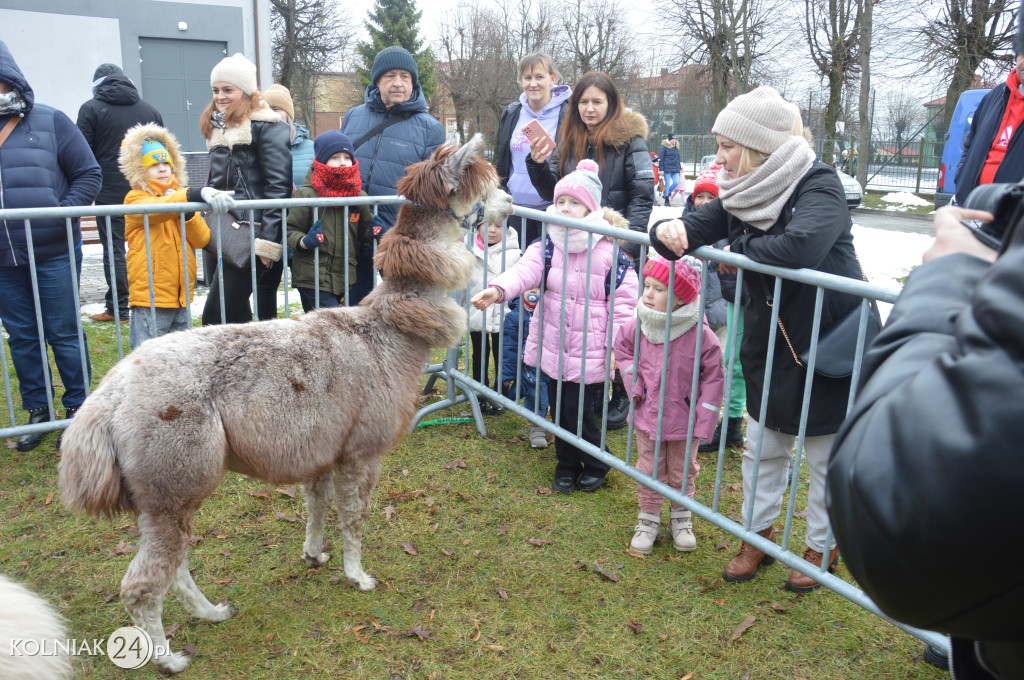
[[707, 181], [583, 184], [687, 283]]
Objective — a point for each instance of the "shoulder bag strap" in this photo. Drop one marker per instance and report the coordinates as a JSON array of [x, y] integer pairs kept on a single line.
[[8, 128], [380, 127]]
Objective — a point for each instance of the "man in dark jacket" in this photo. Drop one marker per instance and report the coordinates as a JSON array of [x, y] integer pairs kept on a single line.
[[992, 151], [44, 163], [390, 131], [104, 120], [926, 473]]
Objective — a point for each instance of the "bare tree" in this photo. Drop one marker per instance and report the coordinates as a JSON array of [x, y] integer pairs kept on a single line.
[[863, 112], [309, 36], [596, 36], [832, 30], [966, 35], [528, 26], [902, 117]]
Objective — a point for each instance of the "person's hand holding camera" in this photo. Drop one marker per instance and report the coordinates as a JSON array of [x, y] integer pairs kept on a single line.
[[953, 236]]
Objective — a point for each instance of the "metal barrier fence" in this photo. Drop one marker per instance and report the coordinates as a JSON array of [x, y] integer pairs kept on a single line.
[[462, 388]]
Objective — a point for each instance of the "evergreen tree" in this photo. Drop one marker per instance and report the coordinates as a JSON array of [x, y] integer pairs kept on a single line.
[[396, 22]]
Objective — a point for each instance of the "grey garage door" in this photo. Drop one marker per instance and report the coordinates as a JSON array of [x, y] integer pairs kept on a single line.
[[176, 80]]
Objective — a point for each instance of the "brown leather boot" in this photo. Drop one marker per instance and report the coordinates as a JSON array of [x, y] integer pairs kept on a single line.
[[800, 583], [744, 566]]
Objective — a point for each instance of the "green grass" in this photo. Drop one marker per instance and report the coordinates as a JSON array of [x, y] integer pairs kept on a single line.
[[873, 200], [477, 600]]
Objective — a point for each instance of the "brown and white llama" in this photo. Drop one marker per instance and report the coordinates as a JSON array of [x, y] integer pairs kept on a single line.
[[318, 400]]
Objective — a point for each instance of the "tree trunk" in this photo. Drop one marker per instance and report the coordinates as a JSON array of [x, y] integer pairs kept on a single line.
[[864, 113], [835, 94]]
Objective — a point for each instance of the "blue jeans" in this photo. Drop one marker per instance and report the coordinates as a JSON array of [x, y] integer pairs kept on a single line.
[[671, 182], [59, 310], [328, 299]]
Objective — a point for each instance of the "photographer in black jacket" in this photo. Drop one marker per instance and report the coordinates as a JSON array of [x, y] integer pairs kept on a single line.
[[926, 473]]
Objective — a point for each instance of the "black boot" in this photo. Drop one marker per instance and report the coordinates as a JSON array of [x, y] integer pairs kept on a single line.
[[68, 414], [734, 435], [618, 405], [716, 439], [936, 657], [27, 442], [667, 201]]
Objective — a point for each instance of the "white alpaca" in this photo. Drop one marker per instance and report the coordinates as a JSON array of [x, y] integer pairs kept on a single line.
[[24, 616]]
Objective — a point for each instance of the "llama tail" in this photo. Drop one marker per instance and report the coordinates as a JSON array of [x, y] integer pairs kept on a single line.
[[90, 476]]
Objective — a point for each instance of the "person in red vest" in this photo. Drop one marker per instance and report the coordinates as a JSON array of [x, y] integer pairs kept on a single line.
[[992, 151]]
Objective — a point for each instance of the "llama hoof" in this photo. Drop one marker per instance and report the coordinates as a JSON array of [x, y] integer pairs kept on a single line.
[[364, 582], [173, 663], [316, 561], [224, 612]]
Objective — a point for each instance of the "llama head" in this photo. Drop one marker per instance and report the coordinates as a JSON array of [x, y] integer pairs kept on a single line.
[[453, 177]]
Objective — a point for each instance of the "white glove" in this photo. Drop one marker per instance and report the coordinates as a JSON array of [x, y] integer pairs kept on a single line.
[[220, 201]]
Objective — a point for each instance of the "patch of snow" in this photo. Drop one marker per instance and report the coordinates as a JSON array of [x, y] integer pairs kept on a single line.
[[905, 198]]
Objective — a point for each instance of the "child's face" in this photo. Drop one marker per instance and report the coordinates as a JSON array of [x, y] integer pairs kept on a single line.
[[702, 198], [340, 159], [570, 207], [161, 172], [656, 295], [490, 232]]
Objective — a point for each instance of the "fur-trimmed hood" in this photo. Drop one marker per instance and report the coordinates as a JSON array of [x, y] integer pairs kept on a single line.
[[629, 125], [242, 134], [615, 218], [130, 157]]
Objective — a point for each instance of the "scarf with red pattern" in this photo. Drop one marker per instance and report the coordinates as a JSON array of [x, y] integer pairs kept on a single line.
[[334, 182]]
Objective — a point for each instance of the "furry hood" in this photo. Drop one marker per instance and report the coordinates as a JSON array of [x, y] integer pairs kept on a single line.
[[629, 125], [130, 157], [669, 145], [615, 218], [242, 134]]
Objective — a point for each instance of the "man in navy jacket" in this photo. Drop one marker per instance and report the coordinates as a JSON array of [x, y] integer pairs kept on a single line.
[[45, 162]]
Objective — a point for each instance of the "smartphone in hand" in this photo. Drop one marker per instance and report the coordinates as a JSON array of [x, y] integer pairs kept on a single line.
[[534, 131]]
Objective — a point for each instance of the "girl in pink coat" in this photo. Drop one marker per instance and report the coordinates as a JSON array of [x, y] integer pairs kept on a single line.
[[574, 315], [640, 360]]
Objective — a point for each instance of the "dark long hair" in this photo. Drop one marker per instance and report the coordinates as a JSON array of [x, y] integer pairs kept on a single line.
[[574, 135]]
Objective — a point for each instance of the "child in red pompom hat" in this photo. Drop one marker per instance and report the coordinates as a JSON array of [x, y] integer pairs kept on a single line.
[[640, 363], [706, 187]]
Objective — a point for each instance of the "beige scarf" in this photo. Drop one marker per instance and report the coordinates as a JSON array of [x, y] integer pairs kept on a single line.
[[652, 322], [757, 197]]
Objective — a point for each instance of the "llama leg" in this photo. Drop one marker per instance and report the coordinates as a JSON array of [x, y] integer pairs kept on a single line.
[[188, 593], [353, 485], [162, 547], [318, 504]]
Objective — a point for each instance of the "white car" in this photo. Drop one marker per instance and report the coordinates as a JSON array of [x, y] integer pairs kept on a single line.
[[852, 189]]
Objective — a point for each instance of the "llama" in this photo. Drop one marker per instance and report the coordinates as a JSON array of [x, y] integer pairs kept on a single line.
[[29, 618], [317, 400]]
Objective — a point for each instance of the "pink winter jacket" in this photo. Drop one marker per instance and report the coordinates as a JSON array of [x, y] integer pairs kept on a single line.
[[526, 274], [646, 385]]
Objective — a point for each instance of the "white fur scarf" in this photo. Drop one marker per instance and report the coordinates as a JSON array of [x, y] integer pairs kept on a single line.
[[578, 239], [757, 197], [240, 134], [652, 323]]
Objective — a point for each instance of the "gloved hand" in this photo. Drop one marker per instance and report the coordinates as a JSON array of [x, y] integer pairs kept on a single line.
[[377, 227], [364, 250], [220, 201], [314, 237]]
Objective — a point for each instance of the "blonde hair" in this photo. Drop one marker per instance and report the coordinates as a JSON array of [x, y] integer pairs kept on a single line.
[[750, 160]]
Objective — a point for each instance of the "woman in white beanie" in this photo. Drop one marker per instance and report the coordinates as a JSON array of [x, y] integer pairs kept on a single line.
[[779, 206], [249, 155]]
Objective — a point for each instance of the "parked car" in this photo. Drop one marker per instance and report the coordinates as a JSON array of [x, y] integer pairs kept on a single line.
[[951, 152], [706, 162], [851, 186]]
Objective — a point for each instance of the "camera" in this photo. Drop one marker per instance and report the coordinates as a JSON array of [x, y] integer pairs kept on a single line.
[[1005, 202]]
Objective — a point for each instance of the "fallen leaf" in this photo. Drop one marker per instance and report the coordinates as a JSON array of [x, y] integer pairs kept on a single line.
[[635, 627], [776, 606], [498, 589], [711, 583], [662, 636], [223, 580], [49, 499], [355, 631], [416, 631], [334, 580], [742, 628], [718, 546], [455, 464], [492, 648], [542, 491], [18, 511], [169, 632], [688, 676], [190, 649], [604, 572], [262, 493], [288, 491], [223, 536], [502, 530], [465, 541], [632, 553], [410, 548], [270, 636], [281, 515], [579, 564], [538, 541], [446, 553], [429, 500], [405, 473], [194, 540], [122, 548], [388, 511], [720, 602], [735, 486], [476, 628], [277, 649]]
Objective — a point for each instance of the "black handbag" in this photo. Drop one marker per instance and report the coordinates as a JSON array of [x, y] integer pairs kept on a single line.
[[837, 348], [235, 237]]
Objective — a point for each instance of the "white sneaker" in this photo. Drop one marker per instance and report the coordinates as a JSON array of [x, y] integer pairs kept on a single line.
[[682, 530], [646, 533], [538, 437]]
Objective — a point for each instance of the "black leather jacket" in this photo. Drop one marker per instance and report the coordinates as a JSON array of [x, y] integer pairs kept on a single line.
[[255, 165]]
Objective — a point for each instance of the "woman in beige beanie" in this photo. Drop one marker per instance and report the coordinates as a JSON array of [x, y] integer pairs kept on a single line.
[[249, 155], [778, 206]]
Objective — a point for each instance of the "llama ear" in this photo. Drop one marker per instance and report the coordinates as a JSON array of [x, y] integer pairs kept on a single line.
[[463, 158]]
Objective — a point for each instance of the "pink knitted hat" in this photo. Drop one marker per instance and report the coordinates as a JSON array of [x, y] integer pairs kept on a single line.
[[584, 185], [687, 286], [707, 181]]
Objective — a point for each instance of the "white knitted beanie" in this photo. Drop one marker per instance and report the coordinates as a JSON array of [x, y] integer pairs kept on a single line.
[[760, 120], [236, 70]]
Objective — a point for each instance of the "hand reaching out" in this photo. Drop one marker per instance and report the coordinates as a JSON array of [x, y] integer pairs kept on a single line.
[[485, 298], [951, 236], [673, 235]]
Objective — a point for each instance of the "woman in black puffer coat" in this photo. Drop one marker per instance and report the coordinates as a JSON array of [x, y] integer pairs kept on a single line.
[[250, 155]]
